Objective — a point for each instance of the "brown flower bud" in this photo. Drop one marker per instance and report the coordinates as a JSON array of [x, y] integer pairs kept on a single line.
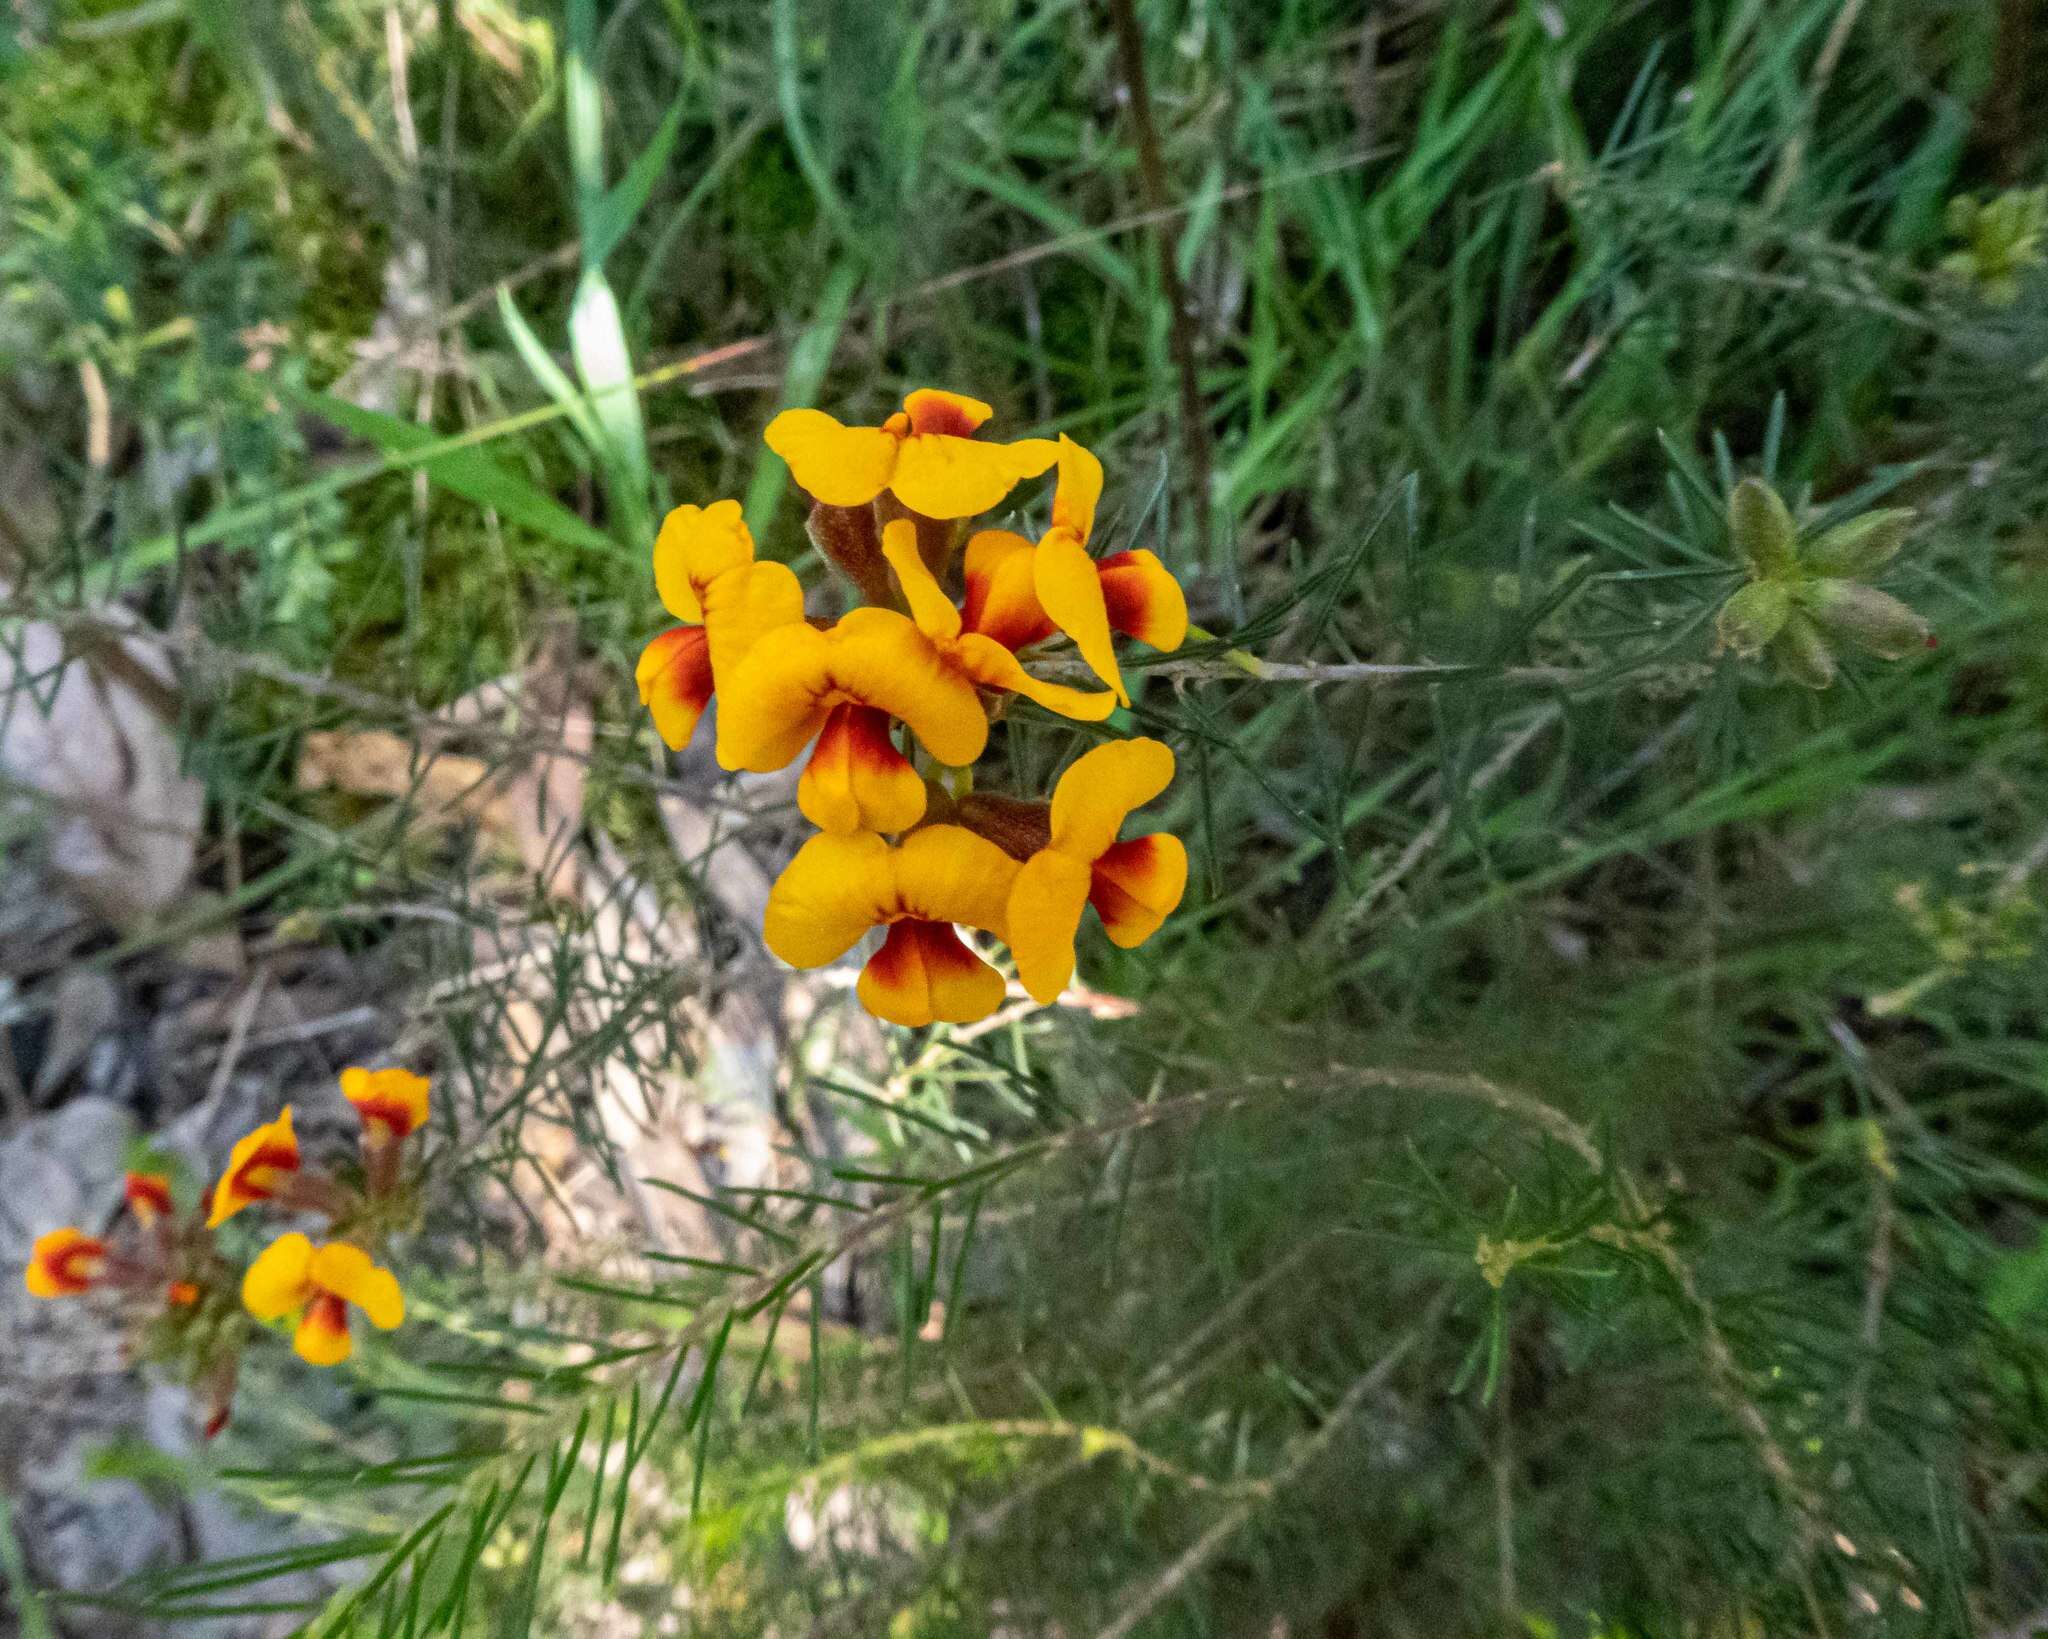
[[851, 543], [1018, 827]]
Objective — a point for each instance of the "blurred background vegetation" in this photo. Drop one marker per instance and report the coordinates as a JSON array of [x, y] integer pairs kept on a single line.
[[1575, 1163]]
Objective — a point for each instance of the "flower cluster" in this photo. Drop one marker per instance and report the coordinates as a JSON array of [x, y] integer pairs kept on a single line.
[[2002, 241], [894, 702], [1804, 598], [164, 1261]]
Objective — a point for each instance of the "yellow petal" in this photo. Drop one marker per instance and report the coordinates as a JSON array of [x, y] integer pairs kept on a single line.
[[946, 873], [1078, 490], [1137, 884], [395, 1100], [64, 1263], [1070, 591], [322, 1338], [280, 1280], [1045, 908], [946, 477], [879, 658], [351, 1274], [674, 677], [924, 974], [257, 1167], [835, 889], [841, 466], [774, 701], [994, 667], [856, 779], [929, 606], [695, 546], [1145, 601], [1000, 600], [1101, 787], [931, 410], [743, 605]]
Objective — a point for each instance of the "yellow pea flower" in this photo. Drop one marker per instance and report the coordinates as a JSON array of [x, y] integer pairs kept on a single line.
[[1018, 593], [65, 1263], [392, 1103], [294, 1277], [705, 573], [1134, 886], [258, 1167], [148, 1195], [926, 454], [838, 887], [923, 670]]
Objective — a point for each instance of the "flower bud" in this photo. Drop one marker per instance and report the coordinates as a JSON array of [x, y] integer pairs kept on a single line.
[[1762, 529], [1802, 652], [848, 539], [1752, 617], [1862, 545], [1018, 827], [1874, 621]]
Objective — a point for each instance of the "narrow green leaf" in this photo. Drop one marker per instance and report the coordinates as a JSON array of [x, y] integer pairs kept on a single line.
[[611, 218], [554, 380], [468, 472], [800, 381]]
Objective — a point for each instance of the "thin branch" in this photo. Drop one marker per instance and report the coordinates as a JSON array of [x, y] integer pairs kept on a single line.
[[1504, 1489], [1877, 1283], [1139, 1605], [1428, 837], [1130, 50]]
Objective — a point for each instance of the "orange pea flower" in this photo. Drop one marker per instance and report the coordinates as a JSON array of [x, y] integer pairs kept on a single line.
[[317, 1284], [391, 1103], [705, 572], [926, 454], [1133, 885], [258, 1167], [148, 1195], [797, 683], [64, 1263], [1019, 594], [838, 887]]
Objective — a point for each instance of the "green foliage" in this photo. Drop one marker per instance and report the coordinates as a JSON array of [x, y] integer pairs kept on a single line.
[[1575, 1163]]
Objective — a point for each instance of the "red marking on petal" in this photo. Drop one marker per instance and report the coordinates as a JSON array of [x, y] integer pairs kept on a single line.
[[1144, 600], [930, 411], [148, 1195], [265, 1172], [390, 1115], [70, 1267], [675, 682], [1001, 601], [856, 779], [1135, 885], [924, 973]]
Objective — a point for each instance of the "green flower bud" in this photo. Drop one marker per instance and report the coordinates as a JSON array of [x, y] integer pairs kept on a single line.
[[1872, 620], [1762, 529], [1802, 653], [1862, 545], [1752, 617]]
